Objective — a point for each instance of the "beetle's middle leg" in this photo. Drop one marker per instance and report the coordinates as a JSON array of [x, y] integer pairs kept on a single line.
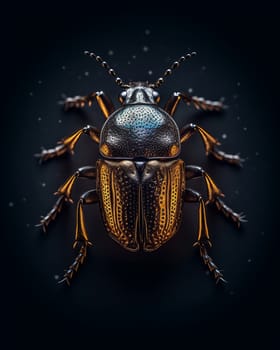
[[203, 238], [64, 192], [210, 143], [214, 193], [81, 236], [68, 144]]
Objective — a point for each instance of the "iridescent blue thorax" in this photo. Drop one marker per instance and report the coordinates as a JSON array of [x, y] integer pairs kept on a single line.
[[140, 131]]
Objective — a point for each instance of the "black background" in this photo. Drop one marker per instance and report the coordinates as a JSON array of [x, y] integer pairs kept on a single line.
[[122, 298]]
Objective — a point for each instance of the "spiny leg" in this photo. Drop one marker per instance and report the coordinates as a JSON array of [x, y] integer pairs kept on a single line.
[[64, 192], [210, 144], [68, 144], [81, 236], [203, 238], [214, 193], [229, 213], [103, 101], [198, 102]]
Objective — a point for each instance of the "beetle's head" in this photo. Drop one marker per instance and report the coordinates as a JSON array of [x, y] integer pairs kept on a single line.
[[139, 92]]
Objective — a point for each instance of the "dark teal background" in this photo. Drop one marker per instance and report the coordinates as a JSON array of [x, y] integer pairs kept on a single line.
[[120, 298]]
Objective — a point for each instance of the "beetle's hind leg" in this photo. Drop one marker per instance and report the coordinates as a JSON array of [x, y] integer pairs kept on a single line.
[[81, 236], [214, 193], [210, 144], [203, 238], [64, 192]]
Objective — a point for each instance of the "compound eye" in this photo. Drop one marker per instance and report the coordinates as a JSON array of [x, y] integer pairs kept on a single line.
[[156, 96], [122, 96]]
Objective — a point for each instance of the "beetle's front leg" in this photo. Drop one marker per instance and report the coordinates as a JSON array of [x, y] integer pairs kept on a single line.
[[210, 144], [64, 192], [81, 236], [198, 102], [103, 101], [68, 144], [203, 238]]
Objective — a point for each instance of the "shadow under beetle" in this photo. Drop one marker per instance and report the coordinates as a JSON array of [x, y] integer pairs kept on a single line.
[[141, 182]]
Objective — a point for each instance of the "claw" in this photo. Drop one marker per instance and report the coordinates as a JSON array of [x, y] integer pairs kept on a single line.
[[42, 155], [65, 279], [221, 279]]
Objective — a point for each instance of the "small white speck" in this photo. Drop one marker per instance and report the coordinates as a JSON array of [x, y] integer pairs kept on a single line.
[[128, 62], [56, 277], [110, 52], [24, 199], [262, 233], [222, 99], [134, 57], [39, 119], [257, 154], [31, 93], [40, 82], [59, 121], [145, 48], [11, 204], [43, 184], [203, 68], [147, 32], [238, 118], [190, 90], [236, 192], [86, 74], [63, 67], [245, 128], [238, 83], [249, 260], [27, 225], [224, 136], [150, 72]]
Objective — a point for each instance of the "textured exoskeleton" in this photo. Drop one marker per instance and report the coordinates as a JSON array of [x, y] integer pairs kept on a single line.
[[140, 178]]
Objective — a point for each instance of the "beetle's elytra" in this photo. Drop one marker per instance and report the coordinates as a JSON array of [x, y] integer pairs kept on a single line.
[[141, 182]]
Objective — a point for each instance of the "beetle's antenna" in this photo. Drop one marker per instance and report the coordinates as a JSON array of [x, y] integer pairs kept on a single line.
[[170, 70], [105, 65]]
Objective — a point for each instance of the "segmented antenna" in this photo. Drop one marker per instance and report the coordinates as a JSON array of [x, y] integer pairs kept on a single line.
[[105, 65], [170, 70]]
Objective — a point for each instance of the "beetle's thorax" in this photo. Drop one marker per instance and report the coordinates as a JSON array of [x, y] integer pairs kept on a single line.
[[139, 130], [140, 92]]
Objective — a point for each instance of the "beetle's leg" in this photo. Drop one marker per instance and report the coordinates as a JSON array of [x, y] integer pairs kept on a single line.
[[64, 192], [81, 235], [214, 193], [103, 101], [210, 144], [68, 144], [199, 103], [203, 238], [194, 197], [193, 171], [229, 213]]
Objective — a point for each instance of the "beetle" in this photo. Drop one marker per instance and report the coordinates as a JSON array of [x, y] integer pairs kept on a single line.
[[141, 181]]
